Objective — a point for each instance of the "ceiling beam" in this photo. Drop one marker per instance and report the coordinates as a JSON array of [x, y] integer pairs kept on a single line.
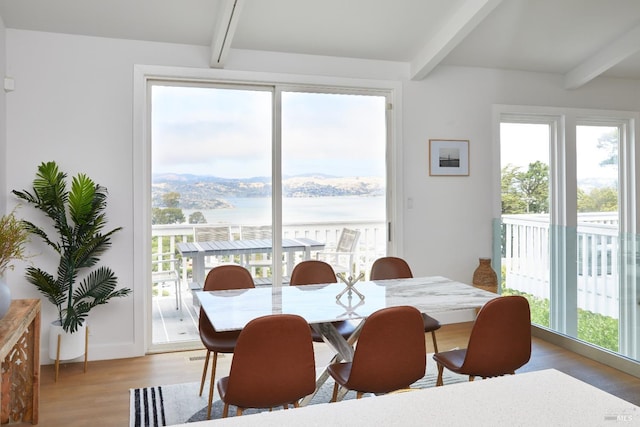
[[453, 31], [224, 31], [616, 52]]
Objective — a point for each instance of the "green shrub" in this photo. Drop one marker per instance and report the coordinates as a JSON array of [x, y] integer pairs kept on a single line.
[[593, 328]]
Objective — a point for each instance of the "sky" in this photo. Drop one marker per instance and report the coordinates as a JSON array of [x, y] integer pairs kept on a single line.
[[227, 132], [521, 144]]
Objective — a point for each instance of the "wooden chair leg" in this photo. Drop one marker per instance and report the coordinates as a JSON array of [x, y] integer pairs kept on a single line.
[[204, 371], [240, 411], [440, 372], [296, 404], [334, 397], [359, 394], [471, 378], [435, 343], [212, 384], [225, 410]]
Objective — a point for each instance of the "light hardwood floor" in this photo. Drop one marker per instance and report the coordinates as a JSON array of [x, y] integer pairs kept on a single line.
[[100, 397]]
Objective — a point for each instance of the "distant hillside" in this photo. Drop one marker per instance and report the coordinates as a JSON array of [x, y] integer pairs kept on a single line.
[[209, 192]]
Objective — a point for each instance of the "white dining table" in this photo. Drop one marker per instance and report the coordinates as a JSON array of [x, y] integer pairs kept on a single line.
[[532, 399], [319, 306]]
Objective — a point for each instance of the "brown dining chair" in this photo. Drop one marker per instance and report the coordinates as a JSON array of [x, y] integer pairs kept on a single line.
[[313, 272], [273, 364], [390, 354], [396, 268], [222, 277], [500, 341]]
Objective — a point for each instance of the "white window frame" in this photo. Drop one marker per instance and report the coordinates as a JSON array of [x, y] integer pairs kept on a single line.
[[142, 160]]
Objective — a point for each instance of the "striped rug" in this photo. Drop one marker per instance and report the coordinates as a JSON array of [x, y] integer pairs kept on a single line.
[[179, 403]]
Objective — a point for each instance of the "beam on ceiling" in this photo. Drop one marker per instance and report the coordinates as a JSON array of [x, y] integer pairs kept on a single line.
[[454, 30], [224, 30], [616, 52]]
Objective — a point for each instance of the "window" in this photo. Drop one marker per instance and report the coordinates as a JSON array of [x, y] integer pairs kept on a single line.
[[238, 162], [567, 226]]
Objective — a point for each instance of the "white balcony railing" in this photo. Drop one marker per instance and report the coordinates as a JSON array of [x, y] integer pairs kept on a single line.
[[526, 258], [371, 244]]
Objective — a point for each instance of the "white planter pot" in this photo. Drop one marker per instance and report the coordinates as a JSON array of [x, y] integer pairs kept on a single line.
[[71, 345]]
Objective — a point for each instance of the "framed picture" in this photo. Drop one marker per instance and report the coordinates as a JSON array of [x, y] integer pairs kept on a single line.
[[449, 157]]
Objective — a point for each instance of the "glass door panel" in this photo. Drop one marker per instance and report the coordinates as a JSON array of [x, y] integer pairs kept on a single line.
[[334, 177], [211, 182], [598, 280], [525, 265]]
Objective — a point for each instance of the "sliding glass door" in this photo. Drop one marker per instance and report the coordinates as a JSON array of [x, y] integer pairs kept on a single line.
[[237, 168], [334, 175]]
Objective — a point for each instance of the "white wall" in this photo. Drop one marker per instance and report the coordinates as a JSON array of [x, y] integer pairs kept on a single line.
[[73, 103], [3, 124], [450, 225]]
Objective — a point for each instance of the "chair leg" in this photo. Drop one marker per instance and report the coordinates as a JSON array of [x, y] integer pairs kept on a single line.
[[225, 410], [471, 378], [435, 343], [296, 404], [212, 384], [204, 371], [359, 394], [440, 372], [334, 397], [240, 411]]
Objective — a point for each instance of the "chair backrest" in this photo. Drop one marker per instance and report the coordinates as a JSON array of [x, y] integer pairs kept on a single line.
[[311, 272], [348, 240], [273, 363], [391, 352], [220, 278], [251, 232], [390, 268], [500, 340], [228, 276], [212, 234]]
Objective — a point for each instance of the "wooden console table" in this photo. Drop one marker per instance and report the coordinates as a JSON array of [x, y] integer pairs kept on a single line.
[[20, 356]]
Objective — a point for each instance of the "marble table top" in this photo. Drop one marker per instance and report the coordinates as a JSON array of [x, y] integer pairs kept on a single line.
[[233, 309]]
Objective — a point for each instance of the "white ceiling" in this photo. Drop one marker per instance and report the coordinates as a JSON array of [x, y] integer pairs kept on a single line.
[[580, 39]]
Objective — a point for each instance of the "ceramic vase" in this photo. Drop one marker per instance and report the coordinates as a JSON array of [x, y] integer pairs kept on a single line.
[[71, 345], [5, 297], [484, 277]]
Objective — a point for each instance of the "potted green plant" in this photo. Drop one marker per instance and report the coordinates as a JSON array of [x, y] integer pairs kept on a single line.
[[79, 221], [13, 237]]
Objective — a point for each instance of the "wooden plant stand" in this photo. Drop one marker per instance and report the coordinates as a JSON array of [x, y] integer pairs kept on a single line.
[[86, 351]]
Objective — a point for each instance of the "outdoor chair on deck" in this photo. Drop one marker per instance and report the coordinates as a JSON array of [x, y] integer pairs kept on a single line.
[[273, 364], [342, 259], [213, 234], [397, 268], [165, 270], [258, 264], [313, 272], [500, 341], [222, 277], [390, 354]]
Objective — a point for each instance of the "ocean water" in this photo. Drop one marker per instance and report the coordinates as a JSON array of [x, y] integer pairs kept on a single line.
[[298, 210]]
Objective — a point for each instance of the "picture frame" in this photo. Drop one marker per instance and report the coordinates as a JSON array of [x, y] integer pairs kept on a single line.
[[449, 157]]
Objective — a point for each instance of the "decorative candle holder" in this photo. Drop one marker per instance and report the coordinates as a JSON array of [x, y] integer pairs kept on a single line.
[[350, 282]]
